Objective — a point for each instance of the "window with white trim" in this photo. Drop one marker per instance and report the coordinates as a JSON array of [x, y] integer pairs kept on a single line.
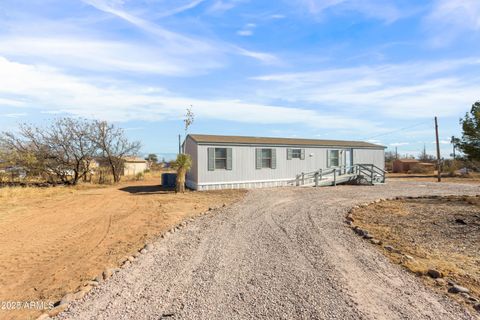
[[334, 158], [220, 158], [266, 158], [296, 153]]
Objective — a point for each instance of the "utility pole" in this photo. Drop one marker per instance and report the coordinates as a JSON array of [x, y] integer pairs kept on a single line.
[[453, 144], [396, 153], [439, 174]]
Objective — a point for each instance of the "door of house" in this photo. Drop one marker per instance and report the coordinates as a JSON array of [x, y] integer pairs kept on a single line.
[[348, 159]]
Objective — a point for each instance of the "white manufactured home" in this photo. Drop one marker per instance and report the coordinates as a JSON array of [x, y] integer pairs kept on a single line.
[[226, 162]]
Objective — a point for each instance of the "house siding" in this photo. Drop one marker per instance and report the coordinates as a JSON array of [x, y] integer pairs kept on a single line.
[[133, 168], [370, 156], [191, 179]]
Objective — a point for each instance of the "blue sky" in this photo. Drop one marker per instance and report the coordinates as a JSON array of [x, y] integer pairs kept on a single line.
[[328, 69]]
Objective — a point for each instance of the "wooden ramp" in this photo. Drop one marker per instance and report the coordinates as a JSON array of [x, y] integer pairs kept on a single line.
[[359, 173]]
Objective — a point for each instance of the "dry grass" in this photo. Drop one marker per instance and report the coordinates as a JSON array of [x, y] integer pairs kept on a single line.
[[19, 196], [441, 234], [473, 177], [14, 196]]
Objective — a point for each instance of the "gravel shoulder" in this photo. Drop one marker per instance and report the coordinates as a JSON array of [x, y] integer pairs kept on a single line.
[[280, 253]]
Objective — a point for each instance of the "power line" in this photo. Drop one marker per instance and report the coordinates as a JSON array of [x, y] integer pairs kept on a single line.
[[398, 130]]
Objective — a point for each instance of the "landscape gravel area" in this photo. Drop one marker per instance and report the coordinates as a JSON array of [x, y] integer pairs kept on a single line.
[[281, 253]]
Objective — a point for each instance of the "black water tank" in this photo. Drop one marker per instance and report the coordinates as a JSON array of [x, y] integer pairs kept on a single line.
[[168, 180]]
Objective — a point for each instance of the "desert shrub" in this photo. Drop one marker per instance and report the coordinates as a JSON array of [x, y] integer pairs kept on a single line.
[[450, 167], [102, 176], [139, 176], [182, 165], [4, 177], [420, 170]]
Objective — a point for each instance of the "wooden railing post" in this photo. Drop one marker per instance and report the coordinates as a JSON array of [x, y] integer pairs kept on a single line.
[[297, 180], [316, 179], [335, 177], [303, 178]]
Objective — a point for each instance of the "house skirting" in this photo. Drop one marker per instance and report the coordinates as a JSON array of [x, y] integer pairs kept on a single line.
[[239, 184]]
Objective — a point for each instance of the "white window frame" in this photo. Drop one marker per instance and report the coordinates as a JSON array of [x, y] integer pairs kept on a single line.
[[330, 165], [222, 159], [296, 153], [266, 158]]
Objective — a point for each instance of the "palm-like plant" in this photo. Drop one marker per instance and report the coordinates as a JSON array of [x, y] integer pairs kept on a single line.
[[182, 164]]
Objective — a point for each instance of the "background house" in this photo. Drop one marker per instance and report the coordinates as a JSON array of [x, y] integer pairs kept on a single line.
[[134, 165], [251, 162], [404, 165], [412, 166]]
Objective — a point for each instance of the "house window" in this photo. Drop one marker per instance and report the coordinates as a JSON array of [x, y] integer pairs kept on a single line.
[[266, 158], [334, 158], [220, 158], [296, 153]]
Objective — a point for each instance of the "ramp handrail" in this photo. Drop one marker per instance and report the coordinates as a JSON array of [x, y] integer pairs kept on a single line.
[[370, 171], [320, 174], [374, 170]]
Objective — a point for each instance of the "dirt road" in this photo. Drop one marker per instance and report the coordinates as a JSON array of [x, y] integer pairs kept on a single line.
[[278, 254], [53, 240]]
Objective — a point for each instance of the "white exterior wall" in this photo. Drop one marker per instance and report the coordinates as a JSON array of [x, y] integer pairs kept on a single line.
[[245, 175], [369, 156], [190, 147], [132, 168]]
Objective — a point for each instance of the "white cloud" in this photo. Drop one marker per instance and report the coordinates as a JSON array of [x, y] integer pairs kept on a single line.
[[175, 40], [442, 142], [104, 55], [220, 6], [245, 33], [182, 8], [448, 19], [408, 90], [247, 30], [50, 90], [264, 57], [383, 10], [398, 144], [14, 115]]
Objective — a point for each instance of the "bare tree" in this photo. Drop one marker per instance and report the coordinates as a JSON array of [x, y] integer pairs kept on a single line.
[[189, 118], [63, 148], [424, 156], [114, 146]]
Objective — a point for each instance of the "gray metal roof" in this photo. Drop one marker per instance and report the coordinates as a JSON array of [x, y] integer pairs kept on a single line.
[[217, 139]]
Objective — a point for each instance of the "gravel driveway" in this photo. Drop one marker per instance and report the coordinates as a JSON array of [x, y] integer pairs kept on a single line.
[[280, 253]]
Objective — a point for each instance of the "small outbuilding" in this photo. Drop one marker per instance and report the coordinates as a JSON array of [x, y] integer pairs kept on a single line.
[[220, 162], [404, 165], [134, 165]]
